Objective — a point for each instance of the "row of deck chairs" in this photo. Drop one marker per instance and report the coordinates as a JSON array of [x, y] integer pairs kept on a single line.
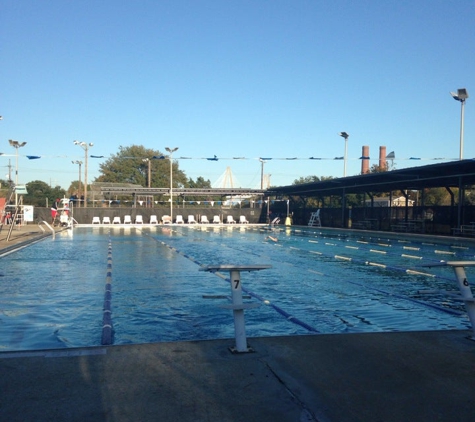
[[166, 219], [127, 220], [216, 220]]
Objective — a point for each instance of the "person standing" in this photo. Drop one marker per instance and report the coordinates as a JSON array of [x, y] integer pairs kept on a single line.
[[54, 210]]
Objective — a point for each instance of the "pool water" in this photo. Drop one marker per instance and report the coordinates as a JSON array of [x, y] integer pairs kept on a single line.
[[52, 292]]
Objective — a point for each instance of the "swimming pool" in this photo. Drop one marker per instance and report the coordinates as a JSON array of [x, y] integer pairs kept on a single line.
[[52, 293]]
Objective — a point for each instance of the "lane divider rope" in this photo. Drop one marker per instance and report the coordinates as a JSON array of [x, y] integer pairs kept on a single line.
[[107, 330]]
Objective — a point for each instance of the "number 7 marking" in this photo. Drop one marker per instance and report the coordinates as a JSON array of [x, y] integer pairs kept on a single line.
[[236, 282]]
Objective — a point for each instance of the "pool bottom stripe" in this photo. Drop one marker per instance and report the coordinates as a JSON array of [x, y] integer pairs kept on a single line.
[[250, 293]]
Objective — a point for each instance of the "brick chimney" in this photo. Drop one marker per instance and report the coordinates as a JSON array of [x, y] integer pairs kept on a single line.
[[365, 161], [382, 158]]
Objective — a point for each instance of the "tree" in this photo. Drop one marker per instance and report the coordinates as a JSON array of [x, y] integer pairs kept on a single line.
[[40, 194], [306, 179], [74, 187], [130, 165], [200, 183], [5, 186], [376, 168], [303, 200], [438, 196]]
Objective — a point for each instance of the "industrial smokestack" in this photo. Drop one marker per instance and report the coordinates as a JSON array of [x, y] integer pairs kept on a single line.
[[365, 160], [382, 158]]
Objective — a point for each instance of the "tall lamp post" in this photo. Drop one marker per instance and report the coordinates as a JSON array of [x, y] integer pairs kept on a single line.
[[16, 145], [461, 96], [79, 186], [85, 146], [149, 173], [171, 151], [262, 172], [346, 136]]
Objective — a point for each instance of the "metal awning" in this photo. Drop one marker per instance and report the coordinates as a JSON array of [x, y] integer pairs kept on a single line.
[[447, 175]]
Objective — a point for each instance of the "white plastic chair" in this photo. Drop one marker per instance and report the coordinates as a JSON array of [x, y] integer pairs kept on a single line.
[[216, 219], [64, 219], [191, 219], [179, 219], [153, 219], [243, 220], [116, 220], [96, 220], [204, 219], [127, 219], [230, 219], [166, 219], [106, 220], [138, 219]]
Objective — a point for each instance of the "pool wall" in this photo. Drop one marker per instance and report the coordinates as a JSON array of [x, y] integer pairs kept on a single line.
[[85, 215], [383, 219]]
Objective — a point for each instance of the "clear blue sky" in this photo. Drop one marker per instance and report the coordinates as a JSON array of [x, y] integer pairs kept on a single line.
[[273, 79]]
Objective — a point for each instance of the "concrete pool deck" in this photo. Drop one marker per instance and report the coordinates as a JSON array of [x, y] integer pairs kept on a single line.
[[22, 236], [418, 376], [405, 376]]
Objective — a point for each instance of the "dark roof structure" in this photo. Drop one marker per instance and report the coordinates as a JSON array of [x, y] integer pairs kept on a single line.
[[118, 189], [456, 174]]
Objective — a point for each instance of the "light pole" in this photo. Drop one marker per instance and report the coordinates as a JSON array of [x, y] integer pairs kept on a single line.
[[149, 174], [16, 145], [149, 181], [85, 146], [171, 151], [79, 186], [346, 136], [461, 96], [262, 172]]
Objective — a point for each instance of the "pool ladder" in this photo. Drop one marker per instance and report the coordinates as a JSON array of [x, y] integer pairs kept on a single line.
[[48, 226]]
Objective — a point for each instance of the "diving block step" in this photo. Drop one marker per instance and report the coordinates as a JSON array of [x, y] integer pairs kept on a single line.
[[241, 306]]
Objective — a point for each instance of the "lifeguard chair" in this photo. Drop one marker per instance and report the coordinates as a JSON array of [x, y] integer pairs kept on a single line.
[[315, 219]]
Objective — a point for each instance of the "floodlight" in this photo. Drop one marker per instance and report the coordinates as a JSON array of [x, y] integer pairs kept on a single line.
[[461, 95]]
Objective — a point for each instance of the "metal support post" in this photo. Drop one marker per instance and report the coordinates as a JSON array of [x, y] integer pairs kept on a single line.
[[464, 287], [237, 306], [465, 290], [238, 311]]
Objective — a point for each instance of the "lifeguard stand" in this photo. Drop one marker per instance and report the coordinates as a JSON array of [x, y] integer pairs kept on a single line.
[[315, 219]]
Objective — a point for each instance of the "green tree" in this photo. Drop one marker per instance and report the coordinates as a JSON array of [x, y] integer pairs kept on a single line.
[[307, 179], [4, 188], [376, 168], [74, 187], [130, 165], [306, 202], [200, 183], [40, 194], [438, 196]]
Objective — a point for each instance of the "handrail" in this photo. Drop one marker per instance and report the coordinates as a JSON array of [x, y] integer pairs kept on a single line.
[[47, 225]]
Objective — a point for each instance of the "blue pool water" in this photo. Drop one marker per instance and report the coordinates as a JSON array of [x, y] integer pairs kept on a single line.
[[52, 293]]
